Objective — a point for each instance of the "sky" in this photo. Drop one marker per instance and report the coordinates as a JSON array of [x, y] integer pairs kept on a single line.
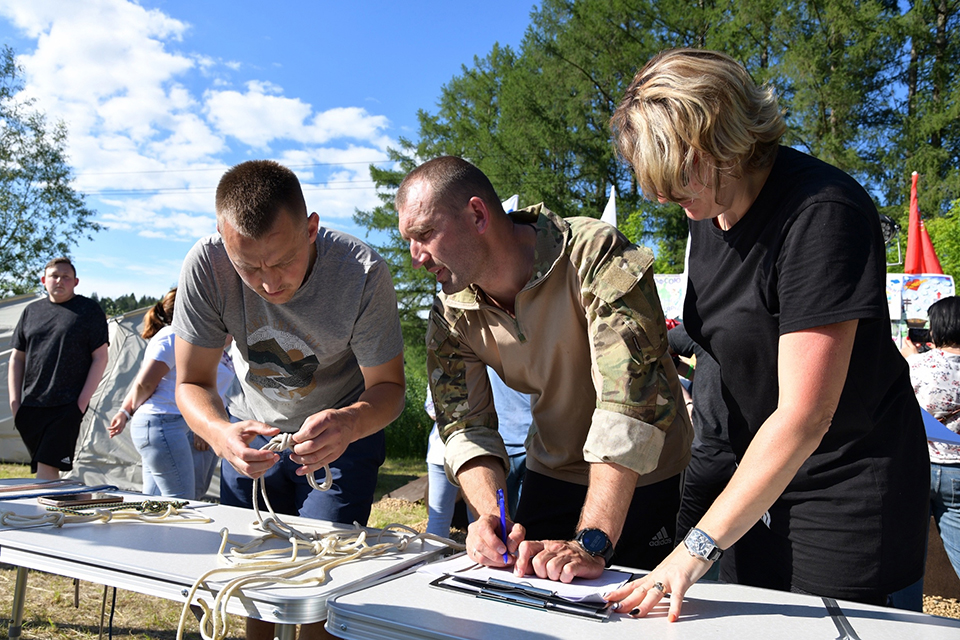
[[160, 97]]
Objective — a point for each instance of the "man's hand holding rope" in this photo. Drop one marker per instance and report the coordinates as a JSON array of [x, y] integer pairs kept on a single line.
[[233, 445], [323, 438]]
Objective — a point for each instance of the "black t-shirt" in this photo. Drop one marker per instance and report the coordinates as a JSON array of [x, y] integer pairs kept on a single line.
[[58, 341], [809, 253], [709, 410]]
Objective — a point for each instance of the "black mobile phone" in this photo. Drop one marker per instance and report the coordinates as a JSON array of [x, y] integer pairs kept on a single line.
[[78, 499], [920, 338]]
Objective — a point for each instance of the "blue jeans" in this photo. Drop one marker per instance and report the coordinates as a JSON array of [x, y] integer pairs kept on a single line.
[[172, 467], [441, 499], [442, 494], [945, 508], [347, 501]]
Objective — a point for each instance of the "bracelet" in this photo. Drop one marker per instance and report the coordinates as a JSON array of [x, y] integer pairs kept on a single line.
[[125, 412]]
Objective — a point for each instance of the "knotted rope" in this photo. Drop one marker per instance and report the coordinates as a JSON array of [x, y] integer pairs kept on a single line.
[[285, 566], [282, 442], [313, 551], [145, 511]]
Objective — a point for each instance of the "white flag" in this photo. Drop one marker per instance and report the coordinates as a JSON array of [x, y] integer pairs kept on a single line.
[[510, 204], [610, 211]]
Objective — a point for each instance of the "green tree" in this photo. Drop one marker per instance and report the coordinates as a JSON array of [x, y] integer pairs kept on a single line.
[[122, 304], [864, 84], [41, 215], [945, 234], [925, 134]]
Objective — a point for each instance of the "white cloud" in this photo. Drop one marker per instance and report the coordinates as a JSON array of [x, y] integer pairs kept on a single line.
[[256, 117], [154, 121]]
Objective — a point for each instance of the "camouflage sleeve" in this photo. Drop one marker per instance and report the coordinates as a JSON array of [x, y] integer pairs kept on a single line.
[[628, 336], [462, 398]]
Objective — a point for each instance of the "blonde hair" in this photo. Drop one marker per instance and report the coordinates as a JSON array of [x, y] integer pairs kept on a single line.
[[159, 315], [689, 111]]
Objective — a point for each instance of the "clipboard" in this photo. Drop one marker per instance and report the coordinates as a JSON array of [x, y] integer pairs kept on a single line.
[[522, 596]]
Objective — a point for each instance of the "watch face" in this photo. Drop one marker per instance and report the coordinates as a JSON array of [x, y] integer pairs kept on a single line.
[[594, 540], [699, 544]]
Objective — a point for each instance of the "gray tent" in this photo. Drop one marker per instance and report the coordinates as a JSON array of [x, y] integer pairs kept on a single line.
[[99, 458], [11, 446]]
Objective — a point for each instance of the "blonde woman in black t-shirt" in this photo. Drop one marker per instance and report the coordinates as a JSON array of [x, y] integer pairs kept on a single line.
[[787, 291]]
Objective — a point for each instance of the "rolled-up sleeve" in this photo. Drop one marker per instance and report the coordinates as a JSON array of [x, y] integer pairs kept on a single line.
[[462, 398], [628, 335]]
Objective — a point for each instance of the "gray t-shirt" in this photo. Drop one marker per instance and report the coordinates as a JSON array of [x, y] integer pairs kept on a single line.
[[302, 356]]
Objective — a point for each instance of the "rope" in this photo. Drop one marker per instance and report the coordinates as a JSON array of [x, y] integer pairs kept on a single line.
[[146, 511], [286, 566], [278, 443]]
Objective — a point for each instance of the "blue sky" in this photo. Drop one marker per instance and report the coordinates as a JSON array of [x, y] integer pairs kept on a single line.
[[160, 97]]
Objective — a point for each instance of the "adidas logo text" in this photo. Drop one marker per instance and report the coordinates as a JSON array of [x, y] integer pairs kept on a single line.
[[661, 538]]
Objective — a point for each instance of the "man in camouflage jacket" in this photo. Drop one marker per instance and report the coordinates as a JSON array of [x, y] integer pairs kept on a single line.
[[565, 310]]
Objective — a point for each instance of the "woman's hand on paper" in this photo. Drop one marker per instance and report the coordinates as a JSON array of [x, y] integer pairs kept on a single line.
[[672, 577]]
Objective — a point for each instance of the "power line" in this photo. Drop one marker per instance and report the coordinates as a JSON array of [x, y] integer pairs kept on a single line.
[[225, 167], [174, 190]]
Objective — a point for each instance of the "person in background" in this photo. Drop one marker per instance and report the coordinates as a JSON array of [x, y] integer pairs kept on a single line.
[[787, 291], [514, 421], [712, 461], [59, 356], [936, 381], [176, 462]]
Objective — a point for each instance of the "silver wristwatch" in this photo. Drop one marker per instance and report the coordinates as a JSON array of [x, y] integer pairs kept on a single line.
[[702, 546]]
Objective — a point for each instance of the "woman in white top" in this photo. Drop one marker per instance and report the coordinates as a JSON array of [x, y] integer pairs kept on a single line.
[[936, 381], [176, 462]]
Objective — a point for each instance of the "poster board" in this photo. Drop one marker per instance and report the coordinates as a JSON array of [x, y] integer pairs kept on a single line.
[[909, 295], [671, 288]]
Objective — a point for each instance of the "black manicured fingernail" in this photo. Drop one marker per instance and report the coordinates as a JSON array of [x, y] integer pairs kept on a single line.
[[635, 612]]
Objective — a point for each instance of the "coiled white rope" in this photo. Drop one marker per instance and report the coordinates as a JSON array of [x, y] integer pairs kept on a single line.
[[316, 552], [145, 511], [285, 566]]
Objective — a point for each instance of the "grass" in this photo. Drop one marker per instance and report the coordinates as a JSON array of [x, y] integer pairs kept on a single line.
[[396, 473], [50, 614]]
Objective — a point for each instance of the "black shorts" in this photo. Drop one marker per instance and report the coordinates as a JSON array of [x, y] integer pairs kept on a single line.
[[50, 434], [550, 510]]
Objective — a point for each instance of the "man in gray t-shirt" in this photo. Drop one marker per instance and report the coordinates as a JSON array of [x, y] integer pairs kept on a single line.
[[314, 316]]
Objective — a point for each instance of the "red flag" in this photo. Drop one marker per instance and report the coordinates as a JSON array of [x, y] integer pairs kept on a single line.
[[921, 257]]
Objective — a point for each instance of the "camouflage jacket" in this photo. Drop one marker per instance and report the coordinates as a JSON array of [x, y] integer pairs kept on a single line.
[[588, 340]]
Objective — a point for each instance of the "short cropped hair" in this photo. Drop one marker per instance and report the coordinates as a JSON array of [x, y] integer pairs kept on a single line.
[[62, 260], [689, 103], [251, 195], [945, 322], [454, 182]]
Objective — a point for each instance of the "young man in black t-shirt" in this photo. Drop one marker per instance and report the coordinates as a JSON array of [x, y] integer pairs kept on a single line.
[[59, 356]]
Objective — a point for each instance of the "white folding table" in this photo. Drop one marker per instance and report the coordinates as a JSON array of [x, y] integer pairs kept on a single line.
[[164, 560], [407, 607]]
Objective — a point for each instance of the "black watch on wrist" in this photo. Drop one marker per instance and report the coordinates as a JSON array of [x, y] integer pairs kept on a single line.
[[596, 543]]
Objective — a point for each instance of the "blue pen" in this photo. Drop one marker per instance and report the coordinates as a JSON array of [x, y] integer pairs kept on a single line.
[[503, 524]]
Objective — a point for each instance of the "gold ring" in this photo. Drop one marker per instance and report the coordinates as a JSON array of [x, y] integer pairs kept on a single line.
[[659, 587]]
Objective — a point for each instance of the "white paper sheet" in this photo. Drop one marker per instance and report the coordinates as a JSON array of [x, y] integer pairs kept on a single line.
[[580, 590]]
